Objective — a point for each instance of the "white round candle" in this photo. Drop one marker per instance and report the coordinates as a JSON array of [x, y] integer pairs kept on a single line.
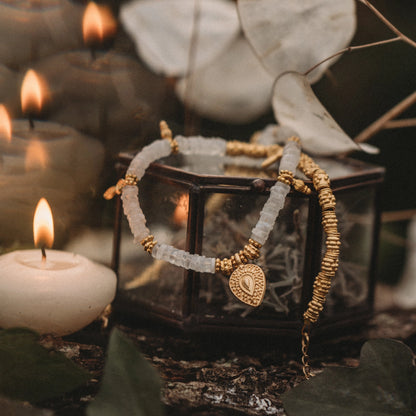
[[59, 296], [50, 160], [35, 28]]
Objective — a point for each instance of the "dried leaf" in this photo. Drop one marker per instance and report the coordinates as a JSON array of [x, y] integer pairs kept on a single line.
[[294, 35], [29, 372], [296, 106], [383, 385], [130, 386], [228, 90], [162, 31]]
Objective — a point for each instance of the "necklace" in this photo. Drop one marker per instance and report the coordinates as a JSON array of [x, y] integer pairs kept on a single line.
[[247, 280]]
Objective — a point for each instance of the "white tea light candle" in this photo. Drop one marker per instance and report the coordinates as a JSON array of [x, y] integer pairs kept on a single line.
[[58, 294]]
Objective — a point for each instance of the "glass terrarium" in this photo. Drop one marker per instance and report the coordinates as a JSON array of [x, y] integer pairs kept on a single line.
[[208, 205]]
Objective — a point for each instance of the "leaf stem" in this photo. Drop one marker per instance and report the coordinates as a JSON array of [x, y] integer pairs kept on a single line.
[[402, 215], [353, 48], [388, 23], [380, 123], [397, 124]]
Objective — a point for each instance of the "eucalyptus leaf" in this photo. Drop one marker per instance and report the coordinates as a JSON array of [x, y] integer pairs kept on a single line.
[[130, 385], [383, 385], [296, 106], [163, 31], [227, 90], [294, 35], [29, 372]]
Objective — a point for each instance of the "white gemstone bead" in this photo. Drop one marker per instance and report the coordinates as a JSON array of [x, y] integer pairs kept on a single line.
[[290, 157], [200, 145]]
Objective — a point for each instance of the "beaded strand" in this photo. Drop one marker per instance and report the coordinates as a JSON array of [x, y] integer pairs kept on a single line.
[[291, 158], [213, 146]]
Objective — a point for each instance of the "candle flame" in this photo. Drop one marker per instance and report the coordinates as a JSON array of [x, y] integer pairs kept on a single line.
[[32, 93], [98, 23], [180, 215], [43, 233], [5, 124], [36, 156]]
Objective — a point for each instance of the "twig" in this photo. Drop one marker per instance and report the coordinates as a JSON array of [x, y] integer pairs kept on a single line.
[[353, 48], [398, 124], [393, 216], [388, 23], [379, 124], [193, 47]]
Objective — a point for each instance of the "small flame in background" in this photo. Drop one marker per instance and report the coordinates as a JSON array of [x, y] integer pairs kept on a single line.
[[98, 23], [32, 93], [5, 125], [180, 215], [43, 230], [36, 156]]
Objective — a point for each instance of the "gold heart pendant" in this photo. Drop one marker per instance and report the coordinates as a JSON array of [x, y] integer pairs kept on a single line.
[[248, 284]]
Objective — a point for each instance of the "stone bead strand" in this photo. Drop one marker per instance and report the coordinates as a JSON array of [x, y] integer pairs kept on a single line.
[[129, 195], [196, 145], [278, 193]]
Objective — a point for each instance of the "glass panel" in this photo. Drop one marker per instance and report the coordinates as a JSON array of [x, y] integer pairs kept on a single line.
[[356, 216], [217, 165], [142, 278], [229, 220]]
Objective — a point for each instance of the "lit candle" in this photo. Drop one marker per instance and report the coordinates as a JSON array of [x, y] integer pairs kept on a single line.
[[103, 93], [36, 28], [43, 159], [55, 293]]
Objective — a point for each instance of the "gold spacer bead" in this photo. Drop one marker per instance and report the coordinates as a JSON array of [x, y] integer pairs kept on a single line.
[[226, 267], [294, 139], [251, 252], [174, 146], [166, 133], [148, 243], [286, 176], [300, 186], [254, 243], [243, 257], [217, 265], [131, 179]]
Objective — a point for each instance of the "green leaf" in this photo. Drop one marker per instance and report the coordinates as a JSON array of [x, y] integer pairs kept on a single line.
[[29, 372], [383, 385], [130, 385]]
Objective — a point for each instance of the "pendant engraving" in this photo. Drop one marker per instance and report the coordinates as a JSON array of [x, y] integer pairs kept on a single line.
[[248, 284]]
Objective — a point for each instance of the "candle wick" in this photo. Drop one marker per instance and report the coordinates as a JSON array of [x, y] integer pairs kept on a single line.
[[31, 123], [93, 53], [43, 254]]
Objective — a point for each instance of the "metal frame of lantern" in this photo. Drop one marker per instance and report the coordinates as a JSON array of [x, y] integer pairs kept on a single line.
[[199, 186]]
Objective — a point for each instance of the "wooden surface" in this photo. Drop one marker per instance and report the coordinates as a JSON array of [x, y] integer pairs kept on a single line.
[[226, 376]]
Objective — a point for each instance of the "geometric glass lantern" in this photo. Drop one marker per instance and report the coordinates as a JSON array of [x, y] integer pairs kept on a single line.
[[209, 205]]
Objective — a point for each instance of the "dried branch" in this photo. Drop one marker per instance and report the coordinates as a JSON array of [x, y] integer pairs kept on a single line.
[[379, 124], [393, 216], [388, 23], [189, 115], [351, 49], [398, 124]]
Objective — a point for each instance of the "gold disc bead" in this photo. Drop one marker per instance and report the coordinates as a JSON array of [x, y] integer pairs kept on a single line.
[[217, 265], [148, 243], [131, 179]]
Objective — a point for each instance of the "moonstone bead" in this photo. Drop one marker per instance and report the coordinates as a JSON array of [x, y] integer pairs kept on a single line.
[[278, 193], [156, 150], [200, 145], [290, 157]]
